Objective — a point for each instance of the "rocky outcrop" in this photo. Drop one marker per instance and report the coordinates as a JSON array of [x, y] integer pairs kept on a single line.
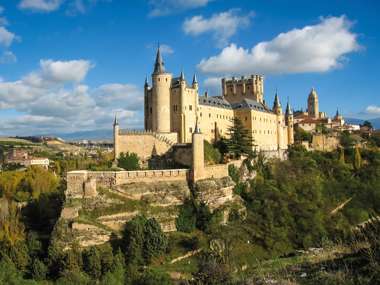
[[94, 218]]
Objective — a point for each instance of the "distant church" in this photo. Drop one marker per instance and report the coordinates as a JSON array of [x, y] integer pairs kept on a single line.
[[172, 107], [312, 118]]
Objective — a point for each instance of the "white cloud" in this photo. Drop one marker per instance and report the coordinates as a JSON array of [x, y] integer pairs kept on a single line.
[[316, 48], [49, 104], [166, 49], [373, 110], [6, 37], [8, 57], [41, 5], [65, 71], [166, 7], [223, 25], [213, 85]]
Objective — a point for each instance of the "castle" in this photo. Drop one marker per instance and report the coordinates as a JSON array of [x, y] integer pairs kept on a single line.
[[172, 108]]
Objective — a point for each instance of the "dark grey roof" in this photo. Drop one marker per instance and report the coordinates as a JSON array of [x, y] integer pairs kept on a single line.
[[214, 101], [159, 66], [222, 103], [251, 104]]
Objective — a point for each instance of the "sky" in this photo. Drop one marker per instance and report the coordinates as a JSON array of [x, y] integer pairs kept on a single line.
[[70, 65]]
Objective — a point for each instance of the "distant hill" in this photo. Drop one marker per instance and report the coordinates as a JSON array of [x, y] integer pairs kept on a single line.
[[375, 122], [105, 134]]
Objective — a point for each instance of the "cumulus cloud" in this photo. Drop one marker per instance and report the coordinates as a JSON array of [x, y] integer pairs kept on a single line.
[[50, 100], [213, 85], [166, 49], [6, 40], [373, 110], [41, 5], [223, 25], [316, 48], [6, 37], [166, 7], [65, 71], [73, 7]]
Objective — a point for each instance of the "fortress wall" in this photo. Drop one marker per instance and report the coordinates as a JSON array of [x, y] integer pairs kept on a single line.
[[76, 180], [323, 142], [216, 171], [145, 143]]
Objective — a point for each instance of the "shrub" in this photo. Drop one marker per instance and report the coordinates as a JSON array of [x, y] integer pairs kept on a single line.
[[211, 154], [128, 161], [186, 220]]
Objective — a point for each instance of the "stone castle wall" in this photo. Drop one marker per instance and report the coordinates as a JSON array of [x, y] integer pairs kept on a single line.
[[84, 183], [145, 143], [323, 142]]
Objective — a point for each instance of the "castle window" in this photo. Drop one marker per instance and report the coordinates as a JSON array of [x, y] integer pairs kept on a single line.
[[166, 79], [150, 110], [190, 107], [191, 130], [200, 114], [209, 115], [158, 79]]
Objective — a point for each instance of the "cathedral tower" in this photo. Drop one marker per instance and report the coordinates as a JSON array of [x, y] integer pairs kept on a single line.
[[161, 82], [312, 104]]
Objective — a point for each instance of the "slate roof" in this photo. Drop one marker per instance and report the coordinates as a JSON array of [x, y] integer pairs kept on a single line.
[[222, 103]]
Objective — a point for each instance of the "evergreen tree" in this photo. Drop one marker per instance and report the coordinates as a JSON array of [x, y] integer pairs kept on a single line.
[[358, 159], [155, 241], [341, 155], [128, 161], [240, 141], [92, 263]]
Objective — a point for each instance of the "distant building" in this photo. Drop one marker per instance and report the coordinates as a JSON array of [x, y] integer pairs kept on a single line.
[[20, 156], [312, 118]]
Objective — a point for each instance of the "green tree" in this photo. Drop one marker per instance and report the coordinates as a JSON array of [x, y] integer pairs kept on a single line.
[[186, 220], [211, 154], [133, 240], [128, 161], [92, 262], [240, 141], [204, 217], [341, 155], [367, 124], [155, 241], [38, 270], [357, 159], [212, 271], [346, 140]]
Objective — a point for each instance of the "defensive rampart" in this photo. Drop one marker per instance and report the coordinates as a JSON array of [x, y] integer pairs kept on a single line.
[[84, 183]]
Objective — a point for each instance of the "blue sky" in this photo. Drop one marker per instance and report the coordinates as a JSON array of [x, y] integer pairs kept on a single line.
[[68, 65]]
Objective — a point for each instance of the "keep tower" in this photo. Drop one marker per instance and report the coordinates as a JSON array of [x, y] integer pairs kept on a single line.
[[161, 81]]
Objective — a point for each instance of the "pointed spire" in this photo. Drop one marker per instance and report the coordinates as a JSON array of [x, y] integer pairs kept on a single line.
[[196, 130], [115, 122], [288, 109], [159, 64], [337, 113], [276, 103], [195, 81], [146, 81], [182, 76]]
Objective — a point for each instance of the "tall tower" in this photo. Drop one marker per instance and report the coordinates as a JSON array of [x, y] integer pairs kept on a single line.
[[312, 104], [161, 82], [116, 130], [278, 111], [195, 82], [289, 120], [198, 164]]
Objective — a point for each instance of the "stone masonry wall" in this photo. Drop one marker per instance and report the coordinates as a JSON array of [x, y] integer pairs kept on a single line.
[[76, 180]]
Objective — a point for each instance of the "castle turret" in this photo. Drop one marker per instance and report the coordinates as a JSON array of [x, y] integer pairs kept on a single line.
[[279, 117], [289, 120], [195, 82], [198, 164], [312, 104], [161, 81], [116, 130]]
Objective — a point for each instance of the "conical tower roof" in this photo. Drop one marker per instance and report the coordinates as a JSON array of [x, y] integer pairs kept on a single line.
[[159, 66], [115, 122], [276, 103], [288, 109], [195, 80]]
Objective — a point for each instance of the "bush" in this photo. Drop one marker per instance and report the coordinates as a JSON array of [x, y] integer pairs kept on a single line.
[[143, 239], [211, 154], [128, 161], [186, 220]]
